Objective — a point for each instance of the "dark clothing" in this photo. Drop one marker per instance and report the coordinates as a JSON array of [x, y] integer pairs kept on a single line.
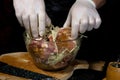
[[101, 44], [58, 10], [11, 39]]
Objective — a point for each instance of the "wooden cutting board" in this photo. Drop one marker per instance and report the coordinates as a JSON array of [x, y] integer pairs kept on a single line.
[[23, 60]]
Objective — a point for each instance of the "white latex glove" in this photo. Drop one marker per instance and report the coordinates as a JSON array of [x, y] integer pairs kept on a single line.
[[31, 14], [82, 17]]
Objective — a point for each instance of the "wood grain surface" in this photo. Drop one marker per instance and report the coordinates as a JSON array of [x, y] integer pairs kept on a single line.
[[23, 60]]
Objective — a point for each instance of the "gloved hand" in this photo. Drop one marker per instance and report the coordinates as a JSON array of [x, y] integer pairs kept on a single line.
[[31, 14], [82, 17]]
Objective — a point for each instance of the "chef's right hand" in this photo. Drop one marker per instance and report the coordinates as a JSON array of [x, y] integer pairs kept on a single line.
[[32, 15]]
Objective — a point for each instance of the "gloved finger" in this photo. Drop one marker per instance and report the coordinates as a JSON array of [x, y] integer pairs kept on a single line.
[[34, 25], [83, 24], [68, 21], [98, 22], [91, 23], [41, 20], [26, 23], [48, 21], [75, 28], [19, 18]]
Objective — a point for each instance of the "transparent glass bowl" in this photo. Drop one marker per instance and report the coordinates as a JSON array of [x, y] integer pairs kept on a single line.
[[52, 55]]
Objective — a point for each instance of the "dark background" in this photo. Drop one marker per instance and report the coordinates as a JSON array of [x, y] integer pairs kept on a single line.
[[101, 44]]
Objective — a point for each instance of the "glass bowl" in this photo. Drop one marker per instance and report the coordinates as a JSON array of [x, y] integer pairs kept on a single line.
[[50, 54]]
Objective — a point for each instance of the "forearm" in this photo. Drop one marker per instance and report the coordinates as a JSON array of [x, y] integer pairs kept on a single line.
[[99, 3]]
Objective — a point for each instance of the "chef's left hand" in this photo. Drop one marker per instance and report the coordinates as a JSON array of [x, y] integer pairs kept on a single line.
[[82, 17]]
